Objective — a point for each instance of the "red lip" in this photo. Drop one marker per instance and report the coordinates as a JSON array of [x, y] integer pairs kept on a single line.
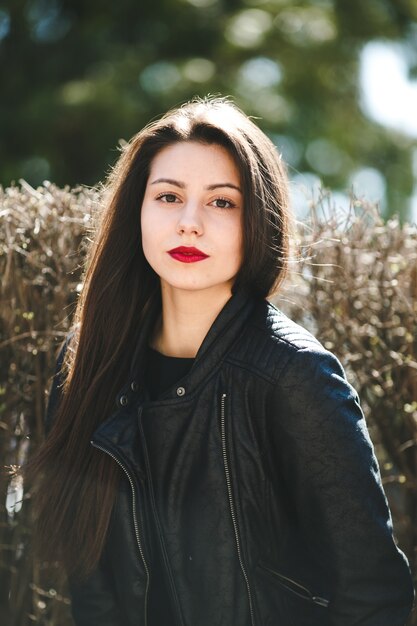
[[187, 254]]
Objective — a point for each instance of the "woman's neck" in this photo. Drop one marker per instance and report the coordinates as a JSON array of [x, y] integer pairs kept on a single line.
[[186, 319]]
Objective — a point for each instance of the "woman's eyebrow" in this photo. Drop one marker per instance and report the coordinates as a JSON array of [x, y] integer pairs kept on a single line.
[[182, 185], [170, 181], [231, 185]]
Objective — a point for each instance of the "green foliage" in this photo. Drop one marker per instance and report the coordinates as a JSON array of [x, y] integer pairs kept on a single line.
[[79, 76]]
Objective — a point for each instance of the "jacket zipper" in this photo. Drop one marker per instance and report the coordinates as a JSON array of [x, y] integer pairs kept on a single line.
[[232, 507], [135, 521], [296, 588]]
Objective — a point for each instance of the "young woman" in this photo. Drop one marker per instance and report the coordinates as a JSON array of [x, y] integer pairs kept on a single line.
[[207, 462]]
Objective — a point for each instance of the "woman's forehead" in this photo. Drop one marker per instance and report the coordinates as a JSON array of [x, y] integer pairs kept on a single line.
[[190, 158]]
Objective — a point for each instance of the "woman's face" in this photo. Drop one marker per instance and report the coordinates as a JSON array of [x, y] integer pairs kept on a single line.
[[191, 217]]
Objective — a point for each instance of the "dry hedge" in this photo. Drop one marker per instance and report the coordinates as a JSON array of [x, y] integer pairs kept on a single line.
[[353, 284]]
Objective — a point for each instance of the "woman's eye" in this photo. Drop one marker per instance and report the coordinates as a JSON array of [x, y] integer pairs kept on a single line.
[[222, 203], [167, 197]]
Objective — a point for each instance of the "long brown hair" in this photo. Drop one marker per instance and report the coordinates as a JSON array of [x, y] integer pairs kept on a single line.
[[76, 484]]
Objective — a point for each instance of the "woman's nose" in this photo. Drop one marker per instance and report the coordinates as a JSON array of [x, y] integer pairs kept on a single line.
[[189, 220]]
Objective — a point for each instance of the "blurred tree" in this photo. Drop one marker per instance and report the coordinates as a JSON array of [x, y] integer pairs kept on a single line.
[[79, 76]]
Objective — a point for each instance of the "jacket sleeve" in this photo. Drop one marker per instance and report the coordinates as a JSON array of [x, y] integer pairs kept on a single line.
[[92, 598], [337, 491]]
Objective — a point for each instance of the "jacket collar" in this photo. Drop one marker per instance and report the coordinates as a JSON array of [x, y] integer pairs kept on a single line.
[[118, 432], [224, 331]]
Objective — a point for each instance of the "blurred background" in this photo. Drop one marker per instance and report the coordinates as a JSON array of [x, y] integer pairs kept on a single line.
[[333, 83]]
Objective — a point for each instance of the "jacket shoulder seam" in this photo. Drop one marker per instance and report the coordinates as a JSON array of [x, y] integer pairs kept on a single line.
[[244, 365], [313, 341]]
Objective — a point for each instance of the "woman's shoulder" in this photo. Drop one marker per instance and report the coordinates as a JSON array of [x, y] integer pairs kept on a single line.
[[273, 324], [277, 347]]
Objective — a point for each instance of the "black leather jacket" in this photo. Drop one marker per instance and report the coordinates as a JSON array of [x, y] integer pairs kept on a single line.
[[257, 474]]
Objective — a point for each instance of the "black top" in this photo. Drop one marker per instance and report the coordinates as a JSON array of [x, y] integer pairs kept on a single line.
[[164, 371], [161, 373]]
